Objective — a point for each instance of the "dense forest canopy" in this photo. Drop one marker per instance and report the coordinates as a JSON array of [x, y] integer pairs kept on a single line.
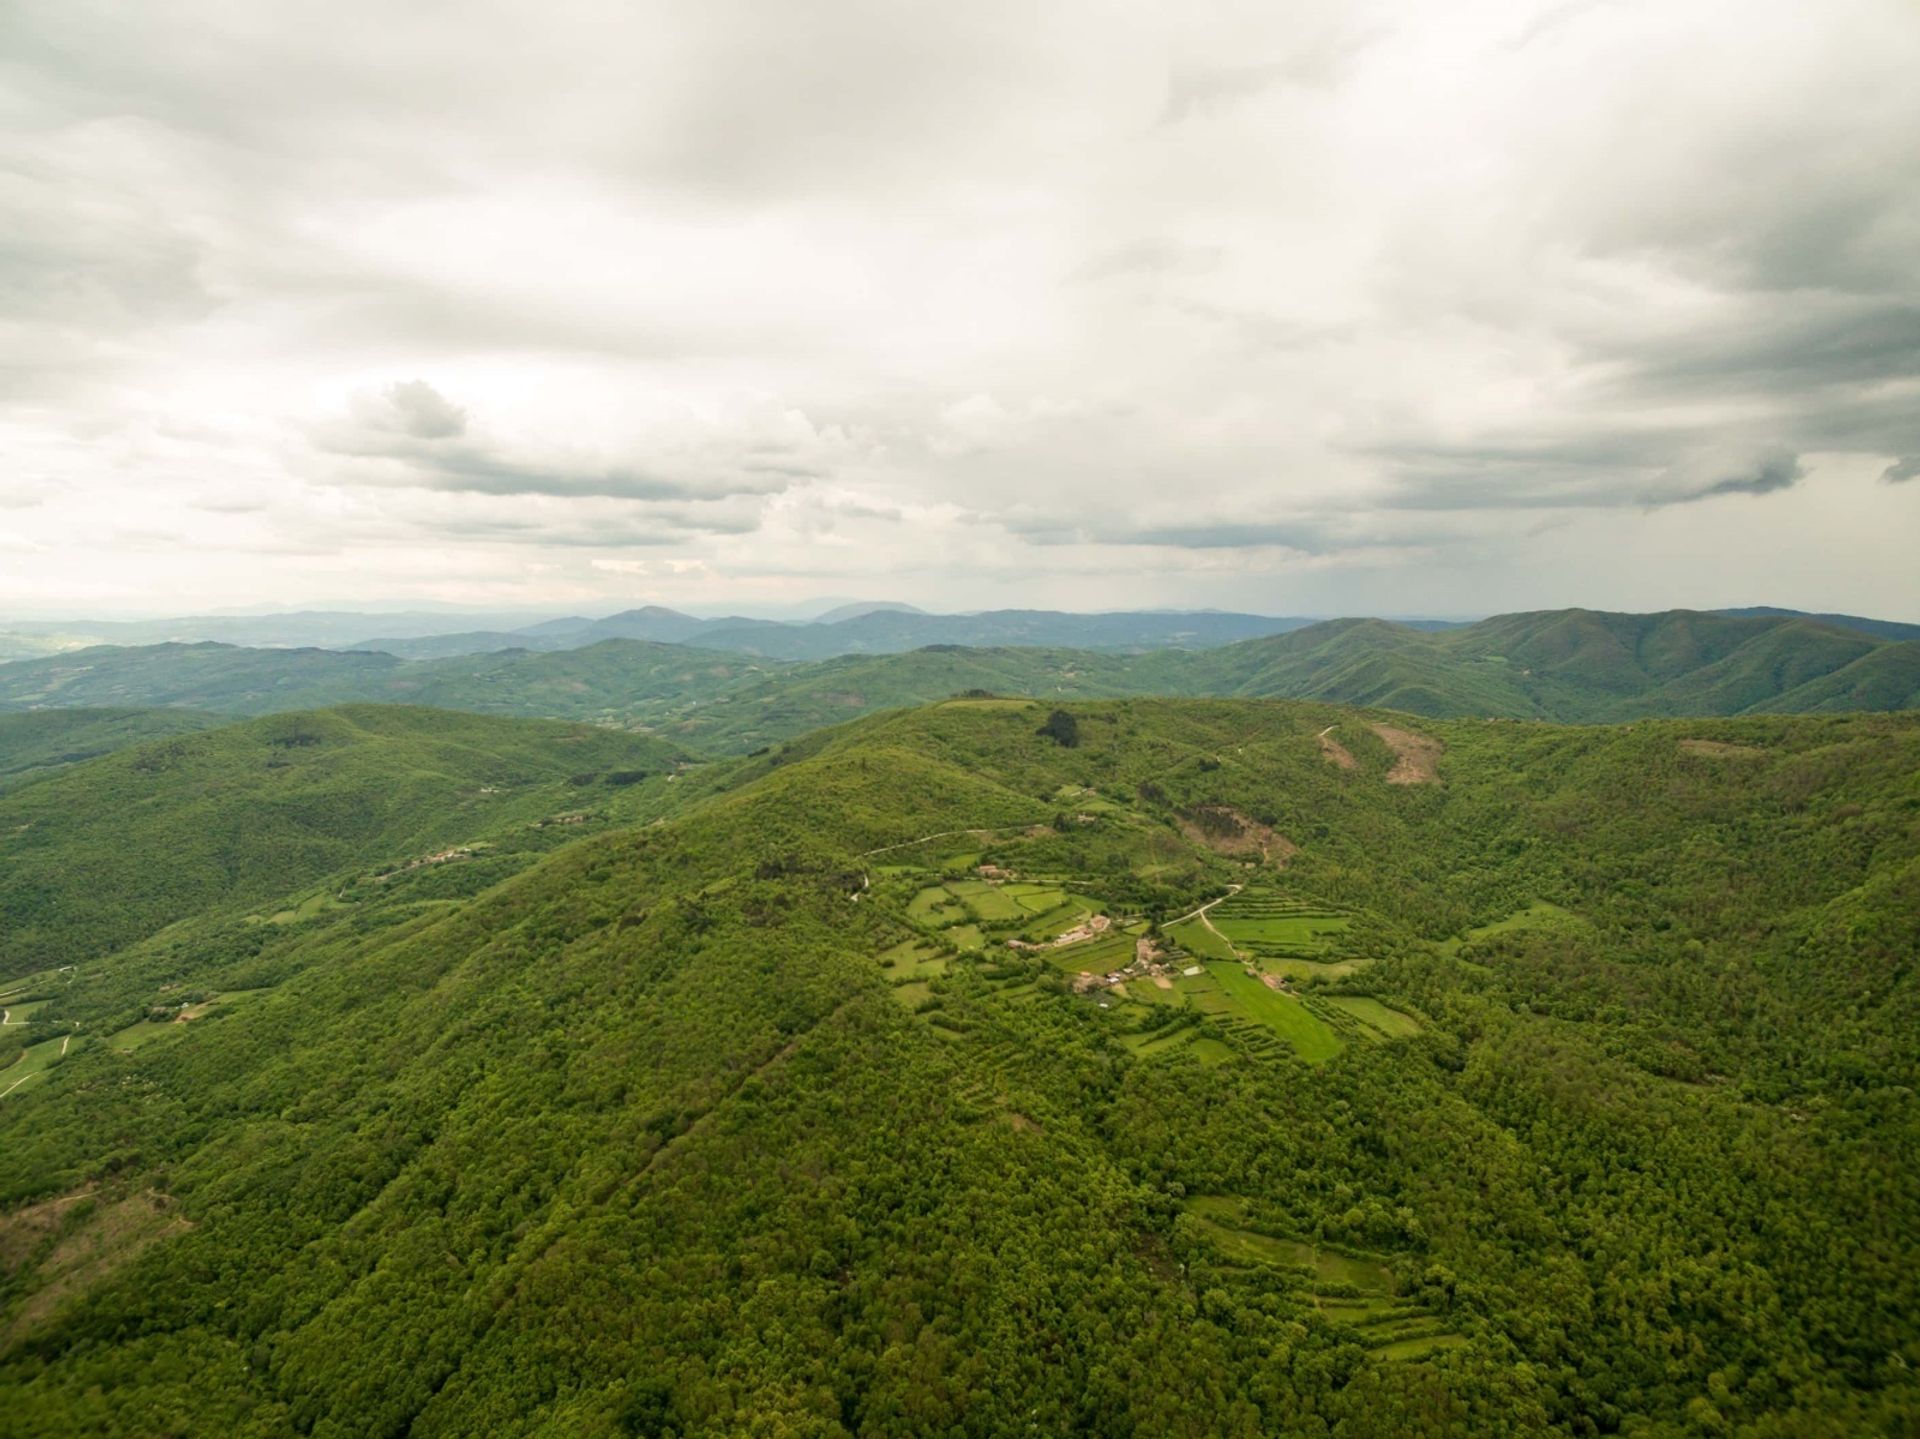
[[1147, 1067]]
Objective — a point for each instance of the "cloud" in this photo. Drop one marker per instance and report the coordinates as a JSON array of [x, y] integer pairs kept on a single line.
[[415, 409], [408, 434], [1777, 472], [959, 299]]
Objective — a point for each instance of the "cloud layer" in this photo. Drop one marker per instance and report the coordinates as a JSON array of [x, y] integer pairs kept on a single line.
[[1322, 307]]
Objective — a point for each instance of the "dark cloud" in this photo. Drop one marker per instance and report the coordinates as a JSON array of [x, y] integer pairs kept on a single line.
[[1777, 472], [413, 436], [1900, 471]]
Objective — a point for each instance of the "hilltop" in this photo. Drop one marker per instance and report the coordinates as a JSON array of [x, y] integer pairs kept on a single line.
[[37, 743]]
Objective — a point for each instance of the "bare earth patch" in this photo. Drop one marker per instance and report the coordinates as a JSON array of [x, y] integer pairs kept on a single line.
[[1720, 749], [1416, 757], [1335, 753], [88, 1249], [1225, 830]]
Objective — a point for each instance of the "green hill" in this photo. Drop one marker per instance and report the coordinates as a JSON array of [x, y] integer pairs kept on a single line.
[[220, 678], [38, 743], [793, 701], [1577, 666], [1568, 665], [1504, 1079], [108, 851]]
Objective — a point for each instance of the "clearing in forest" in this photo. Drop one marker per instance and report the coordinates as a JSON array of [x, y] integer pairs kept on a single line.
[[1271, 924], [1346, 1287], [145, 1031], [1385, 1021], [1538, 915], [32, 1063], [1416, 757], [1334, 752], [111, 1235], [1242, 1000], [1225, 830]]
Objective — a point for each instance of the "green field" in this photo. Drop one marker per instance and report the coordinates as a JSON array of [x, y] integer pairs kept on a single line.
[[989, 904], [1286, 1016], [19, 1076], [145, 1031], [1110, 951], [1389, 1022], [1269, 923], [1196, 939], [1538, 915]]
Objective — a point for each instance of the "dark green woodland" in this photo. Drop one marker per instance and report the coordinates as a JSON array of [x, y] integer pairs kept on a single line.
[[1134, 1066]]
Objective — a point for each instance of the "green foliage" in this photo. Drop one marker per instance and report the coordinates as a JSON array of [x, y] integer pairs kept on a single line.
[[691, 1127], [97, 856], [1063, 729], [40, 742], [1565, 665]]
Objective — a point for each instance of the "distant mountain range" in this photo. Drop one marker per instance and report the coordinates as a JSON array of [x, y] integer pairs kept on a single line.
[[1563, 665], [864, 627], [861, 629]]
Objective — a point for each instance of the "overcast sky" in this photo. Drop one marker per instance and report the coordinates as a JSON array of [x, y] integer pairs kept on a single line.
[[1300, 308]]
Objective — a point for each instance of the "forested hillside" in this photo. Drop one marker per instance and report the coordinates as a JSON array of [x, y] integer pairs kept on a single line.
[[106, 852], [1131, 1067], [1565, 665], [40, 742], [1571, 665]]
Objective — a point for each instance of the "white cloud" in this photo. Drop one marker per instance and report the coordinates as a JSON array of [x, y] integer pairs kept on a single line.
[[1293, 307]]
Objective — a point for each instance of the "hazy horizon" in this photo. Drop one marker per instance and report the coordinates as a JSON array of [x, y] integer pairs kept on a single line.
[[1339, 309], [802, 612]]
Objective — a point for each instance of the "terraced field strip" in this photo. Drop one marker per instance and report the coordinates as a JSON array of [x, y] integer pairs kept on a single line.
[[1311, 1036], [1385, 1021], [1394, 1328], [1097, 956], [1273, 924], [988, 903]]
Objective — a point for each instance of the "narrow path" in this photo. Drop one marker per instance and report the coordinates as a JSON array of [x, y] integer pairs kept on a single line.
[[1201, 912], [16, 1084], [1201, 915], [908, 843], [1231, 948]]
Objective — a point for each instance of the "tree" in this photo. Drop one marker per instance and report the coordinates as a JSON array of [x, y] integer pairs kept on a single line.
[[1063, 729]]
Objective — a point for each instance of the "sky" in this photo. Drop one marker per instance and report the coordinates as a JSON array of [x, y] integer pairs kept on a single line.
[[1315, 308]]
